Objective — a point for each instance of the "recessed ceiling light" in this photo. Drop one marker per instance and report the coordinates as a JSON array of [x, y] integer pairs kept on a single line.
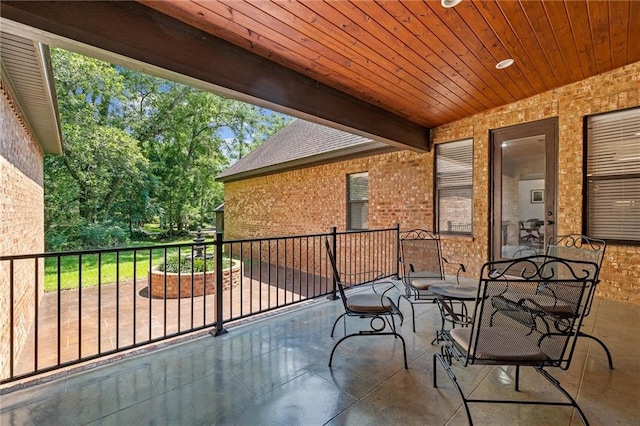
[[450, 3], [504, 64]]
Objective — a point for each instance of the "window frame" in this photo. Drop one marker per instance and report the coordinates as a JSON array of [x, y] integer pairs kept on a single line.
[[588, 178], [437, 190], [351, 202]]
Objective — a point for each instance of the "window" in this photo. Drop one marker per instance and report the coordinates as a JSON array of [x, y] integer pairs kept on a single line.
[[454, 187], [613, 176], [358, 201]]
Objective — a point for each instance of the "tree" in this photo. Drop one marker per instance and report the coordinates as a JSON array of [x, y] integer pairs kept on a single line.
[[101, 164], [250, 127], [136, 146], [180, 130], [106, 164]]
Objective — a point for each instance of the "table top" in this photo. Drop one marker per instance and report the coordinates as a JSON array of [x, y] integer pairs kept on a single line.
[[456, 292]]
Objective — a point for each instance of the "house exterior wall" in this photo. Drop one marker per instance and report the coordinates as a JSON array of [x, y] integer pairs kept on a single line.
[[21, 225], [610, 91], [313, 199]]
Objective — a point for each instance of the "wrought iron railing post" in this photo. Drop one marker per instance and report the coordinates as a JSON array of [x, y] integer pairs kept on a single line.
[[397, 251], [334, 245], [219, 329]]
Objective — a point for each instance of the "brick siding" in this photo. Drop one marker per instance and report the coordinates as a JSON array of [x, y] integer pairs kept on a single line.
[[21, 224], [401, 183]]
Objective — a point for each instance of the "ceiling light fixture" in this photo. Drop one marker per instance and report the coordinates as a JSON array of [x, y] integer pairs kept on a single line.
[[449, 3], [504, 64]]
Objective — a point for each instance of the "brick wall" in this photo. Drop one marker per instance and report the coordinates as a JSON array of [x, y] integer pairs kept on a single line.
[[401, 183], [21, 224], [314, 199], [607, 92]]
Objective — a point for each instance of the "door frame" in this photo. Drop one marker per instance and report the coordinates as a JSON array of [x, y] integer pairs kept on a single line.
[[549, 128]]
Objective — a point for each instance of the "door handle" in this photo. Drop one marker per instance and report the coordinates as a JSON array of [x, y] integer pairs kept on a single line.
[[549, 222]]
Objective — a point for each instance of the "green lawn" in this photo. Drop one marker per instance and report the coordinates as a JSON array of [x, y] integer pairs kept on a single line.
[[109, 270]]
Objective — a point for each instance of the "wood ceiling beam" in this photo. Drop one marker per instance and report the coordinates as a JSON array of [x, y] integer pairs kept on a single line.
[[136, 31]]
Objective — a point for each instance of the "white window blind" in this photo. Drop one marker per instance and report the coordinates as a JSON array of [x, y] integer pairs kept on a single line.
[[358, 205], [613, 175], [454, 186]]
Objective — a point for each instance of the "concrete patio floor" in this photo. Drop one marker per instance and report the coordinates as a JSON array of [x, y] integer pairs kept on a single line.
[[274, 371]]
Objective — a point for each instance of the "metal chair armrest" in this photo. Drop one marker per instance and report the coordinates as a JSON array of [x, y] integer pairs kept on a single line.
[[391, 286], [461, 268]]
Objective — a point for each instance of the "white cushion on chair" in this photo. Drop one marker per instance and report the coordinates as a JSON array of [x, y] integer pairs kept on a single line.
[[500, 343], [424, 283], [369, 303]]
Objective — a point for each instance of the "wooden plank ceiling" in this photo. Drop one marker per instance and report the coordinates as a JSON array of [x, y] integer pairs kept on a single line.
[[421, 61], [388, 70]]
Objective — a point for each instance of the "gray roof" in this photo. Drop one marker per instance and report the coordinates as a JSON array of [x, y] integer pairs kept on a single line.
[[301, 144], [25, 67]]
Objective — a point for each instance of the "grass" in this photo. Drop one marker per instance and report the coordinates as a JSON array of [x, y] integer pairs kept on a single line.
[[152, 227], [110, 265]]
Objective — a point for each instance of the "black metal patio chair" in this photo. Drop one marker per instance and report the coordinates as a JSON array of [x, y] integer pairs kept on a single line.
[[511, 326], [423, 267], [377, 308], [578, 247]]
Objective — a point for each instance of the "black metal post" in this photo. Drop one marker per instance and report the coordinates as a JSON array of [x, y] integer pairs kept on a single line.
[[397, 251], [219, 329], [334, 244]]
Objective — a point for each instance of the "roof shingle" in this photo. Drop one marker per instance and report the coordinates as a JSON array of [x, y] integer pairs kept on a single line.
[[301, 143]]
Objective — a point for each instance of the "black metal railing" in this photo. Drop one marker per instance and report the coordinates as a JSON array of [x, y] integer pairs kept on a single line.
[[70, 307]]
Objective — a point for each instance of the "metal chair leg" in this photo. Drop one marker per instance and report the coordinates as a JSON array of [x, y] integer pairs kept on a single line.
[[336, 322], [404, 346], [454, 380], [413, 313], [572, 402], [601, 344], [556, 384]]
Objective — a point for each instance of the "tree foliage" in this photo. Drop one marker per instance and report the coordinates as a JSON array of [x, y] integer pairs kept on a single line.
[[139, 148]]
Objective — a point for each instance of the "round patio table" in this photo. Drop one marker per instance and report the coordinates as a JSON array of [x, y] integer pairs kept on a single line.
[[448, 298]]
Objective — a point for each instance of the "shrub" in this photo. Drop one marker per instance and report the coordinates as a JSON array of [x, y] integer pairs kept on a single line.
[[184, 265], [58, 240], [103, 235]]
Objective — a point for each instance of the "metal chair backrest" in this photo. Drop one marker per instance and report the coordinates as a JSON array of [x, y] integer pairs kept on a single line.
[[421, 254], [511, 324], [578, 247]]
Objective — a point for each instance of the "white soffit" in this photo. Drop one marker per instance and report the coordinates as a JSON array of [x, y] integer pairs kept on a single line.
[[26, 69]]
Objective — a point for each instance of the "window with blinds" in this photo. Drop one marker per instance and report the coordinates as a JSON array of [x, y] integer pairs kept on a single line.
[[613, 176], [358, 201], [454, 187]]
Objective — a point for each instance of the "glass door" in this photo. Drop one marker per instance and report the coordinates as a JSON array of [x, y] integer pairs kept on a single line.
[[523, 188]]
